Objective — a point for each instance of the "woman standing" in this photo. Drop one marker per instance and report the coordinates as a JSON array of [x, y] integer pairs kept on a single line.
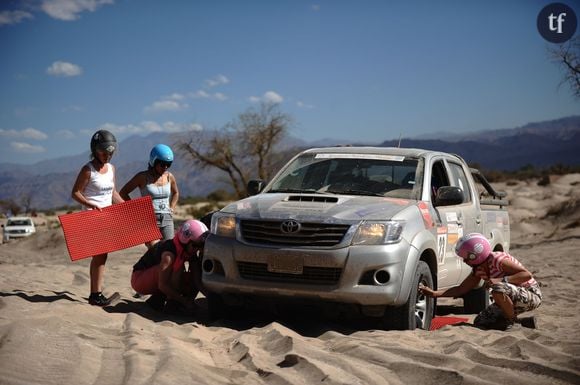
[[160, 185], [94, 189]]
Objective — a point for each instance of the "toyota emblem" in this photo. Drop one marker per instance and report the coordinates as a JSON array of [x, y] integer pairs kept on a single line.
[[290, 227]]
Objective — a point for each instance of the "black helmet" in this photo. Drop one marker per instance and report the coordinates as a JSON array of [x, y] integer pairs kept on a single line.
[[103, 140]]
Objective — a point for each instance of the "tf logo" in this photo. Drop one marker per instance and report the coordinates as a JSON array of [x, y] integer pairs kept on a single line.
[[557, 23]]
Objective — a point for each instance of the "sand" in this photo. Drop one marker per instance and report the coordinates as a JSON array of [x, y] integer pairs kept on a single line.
[[50, 335]]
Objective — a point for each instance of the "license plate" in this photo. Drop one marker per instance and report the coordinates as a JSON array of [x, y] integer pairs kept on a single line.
[[286, 264]]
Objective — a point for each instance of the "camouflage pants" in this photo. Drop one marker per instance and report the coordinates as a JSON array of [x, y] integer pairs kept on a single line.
[[523, 298]]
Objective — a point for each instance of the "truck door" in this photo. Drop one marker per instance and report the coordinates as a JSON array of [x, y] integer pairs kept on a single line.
[[469, 213], [449, 229], [470, 210]]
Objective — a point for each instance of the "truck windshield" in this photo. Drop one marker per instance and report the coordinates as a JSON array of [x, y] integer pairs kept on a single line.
[[19, 222], [352, 174]]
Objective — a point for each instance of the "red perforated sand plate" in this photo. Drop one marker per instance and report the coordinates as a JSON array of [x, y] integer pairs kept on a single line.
[[116, 227], [439, 322]]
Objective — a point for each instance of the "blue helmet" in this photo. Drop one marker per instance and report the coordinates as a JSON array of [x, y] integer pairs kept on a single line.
[[160, 152]]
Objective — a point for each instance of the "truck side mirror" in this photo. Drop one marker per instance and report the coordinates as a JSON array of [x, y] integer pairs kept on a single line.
[[449, 196], [255, 186]]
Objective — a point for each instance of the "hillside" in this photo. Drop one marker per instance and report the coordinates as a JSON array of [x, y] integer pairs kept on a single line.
[[539, 144]]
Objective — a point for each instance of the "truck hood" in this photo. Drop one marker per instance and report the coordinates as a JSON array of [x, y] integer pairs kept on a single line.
[[306, 207]]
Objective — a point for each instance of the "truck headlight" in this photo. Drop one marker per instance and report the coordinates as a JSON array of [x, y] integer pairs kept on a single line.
[[223, 225], [378, 233]]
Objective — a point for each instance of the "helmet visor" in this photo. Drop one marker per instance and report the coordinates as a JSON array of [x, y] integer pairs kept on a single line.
[[108, 147]]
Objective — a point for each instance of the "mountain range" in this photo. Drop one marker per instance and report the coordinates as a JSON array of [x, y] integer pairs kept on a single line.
[[539, 144]]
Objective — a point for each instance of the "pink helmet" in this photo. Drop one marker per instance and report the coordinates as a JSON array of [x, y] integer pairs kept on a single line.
[[191, 230], [474, 248]]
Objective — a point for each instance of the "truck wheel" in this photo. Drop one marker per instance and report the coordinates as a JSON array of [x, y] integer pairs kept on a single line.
[[418, 311], [216, 307], [476, 300]]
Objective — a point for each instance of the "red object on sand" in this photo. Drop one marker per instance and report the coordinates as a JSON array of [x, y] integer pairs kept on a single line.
[[439, 322], [116, 227]]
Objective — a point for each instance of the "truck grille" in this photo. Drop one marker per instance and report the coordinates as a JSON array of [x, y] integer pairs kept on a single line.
[[310, 234], [312, 275]]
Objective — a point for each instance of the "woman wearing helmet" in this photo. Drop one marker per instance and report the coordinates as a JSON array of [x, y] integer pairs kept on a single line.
[[161, 270], [160, 185], [513, 288], [94, 189]]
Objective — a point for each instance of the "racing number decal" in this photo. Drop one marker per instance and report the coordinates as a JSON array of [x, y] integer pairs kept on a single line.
[[441, 245]]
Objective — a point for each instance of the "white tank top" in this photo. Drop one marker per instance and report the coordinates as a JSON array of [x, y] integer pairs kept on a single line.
[[99, 190]]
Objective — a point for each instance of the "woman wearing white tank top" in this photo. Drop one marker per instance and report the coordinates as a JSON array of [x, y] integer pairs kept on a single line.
[[94, 189]]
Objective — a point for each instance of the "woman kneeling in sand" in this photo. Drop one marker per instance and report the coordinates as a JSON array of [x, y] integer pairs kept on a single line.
[[513, 288], [161, 270]]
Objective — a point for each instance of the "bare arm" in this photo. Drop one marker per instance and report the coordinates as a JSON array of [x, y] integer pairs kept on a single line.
[[174, 192], [165, 277], [131, 185], [116, 197], [81, 182], [516, 274], [470, 282]]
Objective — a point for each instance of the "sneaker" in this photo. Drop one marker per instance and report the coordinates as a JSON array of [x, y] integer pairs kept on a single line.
[[98, 299], [156, 301], [527, 322]]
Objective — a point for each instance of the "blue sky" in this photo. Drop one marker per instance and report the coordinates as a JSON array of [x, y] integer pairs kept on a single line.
[[350, 70]]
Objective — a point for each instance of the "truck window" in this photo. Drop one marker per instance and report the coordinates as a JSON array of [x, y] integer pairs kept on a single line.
[[438, 178], [459, 179]]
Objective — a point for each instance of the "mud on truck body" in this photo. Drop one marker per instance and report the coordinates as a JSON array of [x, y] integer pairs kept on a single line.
[[359, 227]]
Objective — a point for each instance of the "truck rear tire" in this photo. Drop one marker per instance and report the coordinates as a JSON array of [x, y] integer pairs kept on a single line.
[[418, 311], [476, 300]]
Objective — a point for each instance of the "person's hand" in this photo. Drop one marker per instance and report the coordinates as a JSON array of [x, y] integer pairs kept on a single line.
[[189, 306], [481, 273], [426, 290], [492, 281]]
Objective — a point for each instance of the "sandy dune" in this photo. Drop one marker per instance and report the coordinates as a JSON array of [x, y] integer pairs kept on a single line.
[[50, 335]]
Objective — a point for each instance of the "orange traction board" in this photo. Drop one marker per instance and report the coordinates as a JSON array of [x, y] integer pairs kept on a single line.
[[116, 227]]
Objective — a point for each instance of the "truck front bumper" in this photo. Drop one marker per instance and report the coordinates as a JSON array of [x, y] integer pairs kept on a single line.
[[362, 275]]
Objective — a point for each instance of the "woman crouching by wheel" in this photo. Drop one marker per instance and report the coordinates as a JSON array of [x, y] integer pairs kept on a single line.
[[161, 271]]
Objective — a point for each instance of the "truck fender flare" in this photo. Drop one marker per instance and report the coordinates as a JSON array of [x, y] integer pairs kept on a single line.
[[498, 242], [421, 243]]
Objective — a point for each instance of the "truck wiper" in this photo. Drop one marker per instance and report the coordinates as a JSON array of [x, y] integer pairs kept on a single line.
[[355, 192]]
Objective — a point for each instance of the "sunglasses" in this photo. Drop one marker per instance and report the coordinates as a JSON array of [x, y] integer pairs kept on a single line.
[[163, 163]]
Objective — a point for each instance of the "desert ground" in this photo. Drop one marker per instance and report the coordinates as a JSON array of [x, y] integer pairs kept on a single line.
[[50, 335]]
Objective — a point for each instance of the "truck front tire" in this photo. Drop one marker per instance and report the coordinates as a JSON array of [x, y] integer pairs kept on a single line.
[[417, 312]]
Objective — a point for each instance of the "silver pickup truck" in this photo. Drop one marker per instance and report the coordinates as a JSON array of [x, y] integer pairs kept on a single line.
[[358, 227]]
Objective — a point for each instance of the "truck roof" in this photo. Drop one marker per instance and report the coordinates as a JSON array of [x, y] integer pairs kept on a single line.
[[407, 152]]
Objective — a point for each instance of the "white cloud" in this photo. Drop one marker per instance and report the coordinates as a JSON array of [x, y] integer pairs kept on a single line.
[[73, 108], [26, 148], [148, 127], [175, 96], [219, 96], [217, 81], [66, 134], [202, 94], [70, 9], [173, 102], [315, 7], [64, 69], [301, 104], [268, 97], [14, 17], [27, 133]]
